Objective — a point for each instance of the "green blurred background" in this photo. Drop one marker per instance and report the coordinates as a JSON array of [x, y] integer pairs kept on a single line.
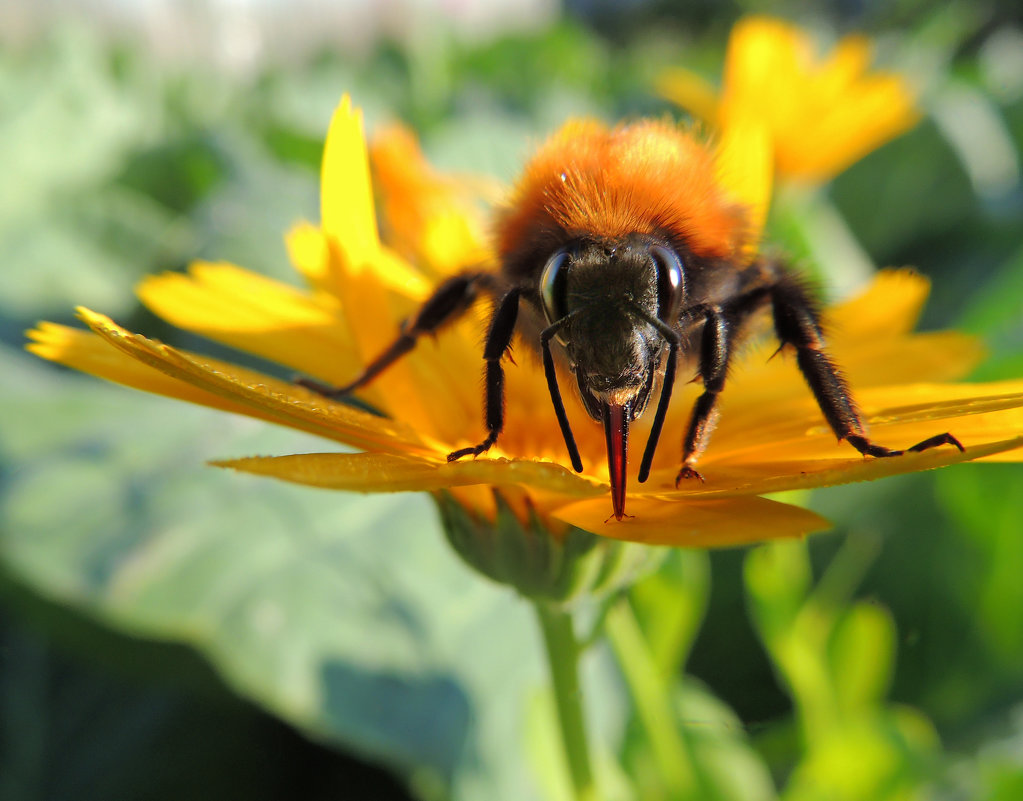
[[168, 630]]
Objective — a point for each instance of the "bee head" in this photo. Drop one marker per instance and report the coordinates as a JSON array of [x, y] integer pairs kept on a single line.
[[611, 303], [607, 297]]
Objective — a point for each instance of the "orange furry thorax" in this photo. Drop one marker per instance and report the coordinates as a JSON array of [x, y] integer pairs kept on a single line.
[[649, 177]]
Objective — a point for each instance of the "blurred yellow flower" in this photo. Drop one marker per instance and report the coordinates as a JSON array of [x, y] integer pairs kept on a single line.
[[820, 113], [771, 438]]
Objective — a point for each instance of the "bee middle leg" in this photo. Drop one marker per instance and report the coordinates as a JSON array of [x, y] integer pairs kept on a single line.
[[797, 323], [448, 302]]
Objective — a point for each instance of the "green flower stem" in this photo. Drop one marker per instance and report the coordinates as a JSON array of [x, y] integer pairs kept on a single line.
[[653, 702], [563, 651]]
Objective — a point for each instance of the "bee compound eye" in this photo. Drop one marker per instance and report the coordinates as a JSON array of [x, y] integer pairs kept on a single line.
[[671, 280], [553, 281]]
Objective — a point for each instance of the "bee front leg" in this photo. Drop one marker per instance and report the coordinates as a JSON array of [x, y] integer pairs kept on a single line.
[[797, 323], [502, 325], [448, 302]]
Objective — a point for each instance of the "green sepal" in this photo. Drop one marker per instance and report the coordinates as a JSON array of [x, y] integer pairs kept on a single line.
[[538, 564]]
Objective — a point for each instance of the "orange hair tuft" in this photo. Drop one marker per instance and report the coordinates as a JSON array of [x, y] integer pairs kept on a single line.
[[648, 177]]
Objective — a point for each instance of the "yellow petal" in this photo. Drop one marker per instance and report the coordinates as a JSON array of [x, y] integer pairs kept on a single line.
[[694, 523], [374, 322], [763, 54], [373, 304], [309, 249], [897, 416], [937, 356], [84, 351], [822, 114], [1004, 456], [260, 395], [849, 61], [376, 472], [357, 263], [303, 332], [888, 306], [92, 354], [758, 426], [690, 91], [428, 216], [346, 193], [854, 122], [744, 157], [762, 385], [450, 242], [257, 315], [766, 400], [758, 474]]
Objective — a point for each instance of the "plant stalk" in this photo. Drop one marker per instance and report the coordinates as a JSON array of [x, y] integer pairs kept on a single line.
[[563, 652]]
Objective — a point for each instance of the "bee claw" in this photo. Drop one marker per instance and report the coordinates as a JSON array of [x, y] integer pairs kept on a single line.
[[940, 439], [688, 472], [868, 448], [474, 451]]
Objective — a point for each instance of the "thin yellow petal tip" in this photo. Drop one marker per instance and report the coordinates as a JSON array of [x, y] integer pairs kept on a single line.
[[346, 194]]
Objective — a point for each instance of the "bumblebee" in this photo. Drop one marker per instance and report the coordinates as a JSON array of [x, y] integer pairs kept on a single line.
[[620, 257]]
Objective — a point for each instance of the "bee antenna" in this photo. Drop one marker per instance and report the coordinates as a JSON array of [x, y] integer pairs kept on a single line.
[[659, 415], [672, 338], [552, 386]]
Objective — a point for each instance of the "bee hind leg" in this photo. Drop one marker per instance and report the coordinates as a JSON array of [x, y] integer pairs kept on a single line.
[[797, 323], [448, 302]]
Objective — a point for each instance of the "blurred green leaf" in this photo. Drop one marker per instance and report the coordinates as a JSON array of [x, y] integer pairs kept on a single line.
[[996, 311], [289, 145], [862, 653], [346, 616], [777, 579], [729, 767], [562, 57], [835, 657], [918, 183], [1005, 785], [883, 757], [176, 173], [987, 507], [670, 605], [94, 714]]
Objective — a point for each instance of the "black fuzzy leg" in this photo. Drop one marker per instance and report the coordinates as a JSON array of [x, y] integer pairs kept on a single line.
[[796, 323], [502, 325], [448, 302], [715, 352]]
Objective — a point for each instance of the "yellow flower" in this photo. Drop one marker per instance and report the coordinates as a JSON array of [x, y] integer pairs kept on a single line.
[[771, 438], [821, 114]]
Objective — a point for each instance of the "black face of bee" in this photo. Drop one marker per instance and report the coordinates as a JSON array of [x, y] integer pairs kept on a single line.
[[612, 306], [609, 297]]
